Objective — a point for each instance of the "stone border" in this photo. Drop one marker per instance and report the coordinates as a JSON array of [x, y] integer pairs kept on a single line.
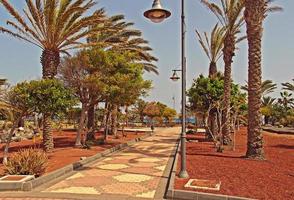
[[57, 174], [163, 184], [288, 131], [173, 193]]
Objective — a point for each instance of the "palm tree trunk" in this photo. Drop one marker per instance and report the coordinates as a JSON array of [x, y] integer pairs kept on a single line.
[[212, 69], [266, 119], [229, 49], [254, 16], [48, 144], [212, 115], [50, 61]]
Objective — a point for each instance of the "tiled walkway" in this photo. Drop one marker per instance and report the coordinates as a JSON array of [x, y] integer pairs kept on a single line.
[[135, 173]]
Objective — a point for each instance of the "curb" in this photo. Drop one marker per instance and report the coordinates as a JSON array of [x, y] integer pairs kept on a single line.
[[164, 182], [30, 185], [278, 130], [173, 193]]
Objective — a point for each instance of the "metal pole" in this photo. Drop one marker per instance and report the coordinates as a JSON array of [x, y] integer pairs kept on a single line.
[[183, 172], [174, 102]]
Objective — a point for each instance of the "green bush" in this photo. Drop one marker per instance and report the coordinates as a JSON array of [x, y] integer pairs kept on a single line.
[[27, 162]]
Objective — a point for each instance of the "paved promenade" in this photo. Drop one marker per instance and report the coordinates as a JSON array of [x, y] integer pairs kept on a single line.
[[138, 172]]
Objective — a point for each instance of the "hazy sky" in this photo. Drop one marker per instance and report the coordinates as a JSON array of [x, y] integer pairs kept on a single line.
[[20, 61]]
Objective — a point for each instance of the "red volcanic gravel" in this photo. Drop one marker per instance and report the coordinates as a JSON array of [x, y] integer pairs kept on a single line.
[[64, 152], [269, 179]]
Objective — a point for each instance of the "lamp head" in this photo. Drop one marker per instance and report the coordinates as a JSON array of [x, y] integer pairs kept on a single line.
[[175, 76], [157, 14]]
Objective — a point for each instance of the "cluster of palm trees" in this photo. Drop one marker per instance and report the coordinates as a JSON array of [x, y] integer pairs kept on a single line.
[[232, 15], [63, 26]]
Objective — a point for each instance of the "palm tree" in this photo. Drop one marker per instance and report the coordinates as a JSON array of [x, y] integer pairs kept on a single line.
[[119, 36], [230, 16], [255, 13], [267, 107], [267, 87], [286, 100], [268, 101], [212, 46], [288, 86], [55, 26]]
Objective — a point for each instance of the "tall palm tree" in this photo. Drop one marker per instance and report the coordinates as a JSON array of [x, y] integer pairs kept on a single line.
[[55, 26], [229, 14], [267, 87], [212, 46], [255, 13], [288, 86]]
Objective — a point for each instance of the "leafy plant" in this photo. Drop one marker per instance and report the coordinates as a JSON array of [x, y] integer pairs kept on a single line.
[[27, 162]]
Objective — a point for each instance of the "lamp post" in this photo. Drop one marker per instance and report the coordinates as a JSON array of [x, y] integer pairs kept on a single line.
[[158, 14]]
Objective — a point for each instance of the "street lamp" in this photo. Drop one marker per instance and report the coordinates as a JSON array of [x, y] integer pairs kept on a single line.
[[158, 14], [175, 76]]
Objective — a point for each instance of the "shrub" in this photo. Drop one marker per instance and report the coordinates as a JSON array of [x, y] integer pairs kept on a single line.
[[27, 162]]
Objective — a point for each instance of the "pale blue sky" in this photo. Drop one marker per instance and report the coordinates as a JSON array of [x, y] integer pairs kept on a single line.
[[20, 61]]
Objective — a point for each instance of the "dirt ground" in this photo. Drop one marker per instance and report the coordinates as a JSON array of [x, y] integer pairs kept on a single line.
[[269, 179], [64, 152]]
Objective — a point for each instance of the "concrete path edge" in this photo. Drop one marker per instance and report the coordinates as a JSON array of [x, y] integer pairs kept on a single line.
[[30, 185]]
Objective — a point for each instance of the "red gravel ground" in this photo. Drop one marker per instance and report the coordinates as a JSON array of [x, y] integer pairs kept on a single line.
[[270, 179], [64, 152]]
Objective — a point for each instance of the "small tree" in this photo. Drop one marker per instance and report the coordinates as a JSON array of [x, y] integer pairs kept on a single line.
[[48, 97], [19, 106], [152, 110], [139, 108], [206, 94], [169, 114]]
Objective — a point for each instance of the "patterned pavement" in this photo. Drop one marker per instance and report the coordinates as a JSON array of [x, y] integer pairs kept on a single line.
[[135, 172]]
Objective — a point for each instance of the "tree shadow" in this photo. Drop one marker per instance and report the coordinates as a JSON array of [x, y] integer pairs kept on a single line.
[[283, 146], [217, 155]]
